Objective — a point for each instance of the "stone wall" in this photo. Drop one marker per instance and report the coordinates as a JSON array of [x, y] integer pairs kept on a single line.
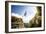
[[17, 22]]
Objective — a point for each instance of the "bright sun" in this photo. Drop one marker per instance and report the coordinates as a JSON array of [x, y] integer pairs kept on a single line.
[[30, 14]]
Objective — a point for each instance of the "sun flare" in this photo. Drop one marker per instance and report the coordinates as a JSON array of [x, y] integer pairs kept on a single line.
[[30, 14]]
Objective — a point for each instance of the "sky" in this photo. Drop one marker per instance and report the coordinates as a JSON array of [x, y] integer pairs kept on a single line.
[[18, 9], [28, 12]]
